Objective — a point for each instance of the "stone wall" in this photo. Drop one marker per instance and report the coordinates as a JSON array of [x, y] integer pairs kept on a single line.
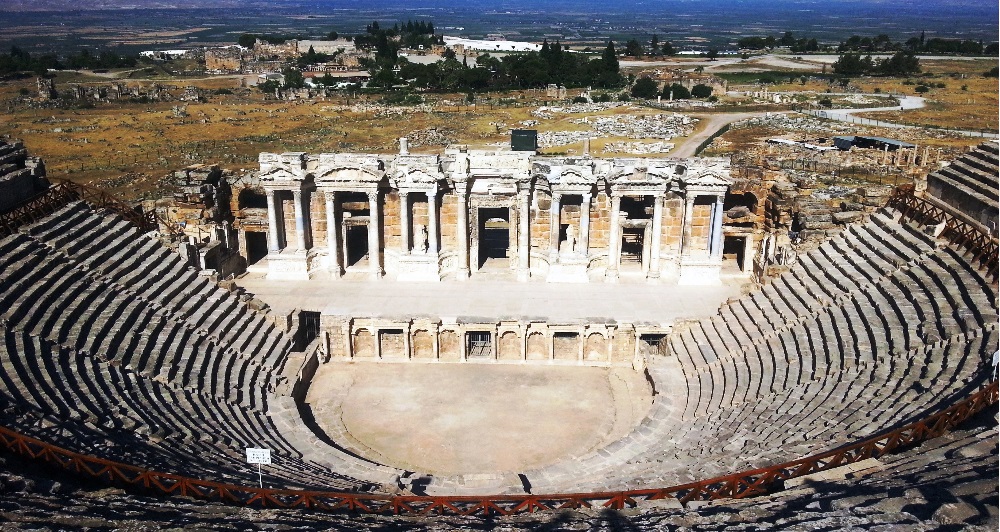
[[510, 342]]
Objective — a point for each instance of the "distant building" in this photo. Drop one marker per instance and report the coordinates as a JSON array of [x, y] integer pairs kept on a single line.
[[164, 55]]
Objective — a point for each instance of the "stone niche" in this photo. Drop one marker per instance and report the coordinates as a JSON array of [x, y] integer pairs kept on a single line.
[[502, 342]]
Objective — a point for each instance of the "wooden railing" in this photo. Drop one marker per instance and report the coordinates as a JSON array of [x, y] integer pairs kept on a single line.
[[61, 194], [983, 246], [739, 485]]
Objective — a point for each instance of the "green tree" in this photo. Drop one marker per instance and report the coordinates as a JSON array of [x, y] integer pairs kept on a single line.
[[677, 91], [701, 91], [645, 88], [852, 65], [633, 48], [293, 78], [247, 40], [610, 58]]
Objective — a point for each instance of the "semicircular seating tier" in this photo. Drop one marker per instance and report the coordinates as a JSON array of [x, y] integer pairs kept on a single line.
[[112, 347], [876, 328]]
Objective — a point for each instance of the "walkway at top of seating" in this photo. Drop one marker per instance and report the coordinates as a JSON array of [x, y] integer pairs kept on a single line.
[[495, 299]]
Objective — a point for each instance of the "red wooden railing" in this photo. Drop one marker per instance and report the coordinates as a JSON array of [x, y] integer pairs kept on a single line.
[[61, 194], [984, 247], [738, 485]]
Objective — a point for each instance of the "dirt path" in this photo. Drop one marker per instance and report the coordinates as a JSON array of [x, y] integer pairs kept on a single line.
[[710, 123]]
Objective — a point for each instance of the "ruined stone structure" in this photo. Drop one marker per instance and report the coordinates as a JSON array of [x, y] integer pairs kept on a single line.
[[469, 212], [197, 221], [21, 176], [224, 59]]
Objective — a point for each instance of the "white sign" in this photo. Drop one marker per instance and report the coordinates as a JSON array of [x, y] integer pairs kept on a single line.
[[258, 456]]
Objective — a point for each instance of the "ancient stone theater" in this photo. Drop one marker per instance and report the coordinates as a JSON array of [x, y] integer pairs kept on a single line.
[[497, 339]]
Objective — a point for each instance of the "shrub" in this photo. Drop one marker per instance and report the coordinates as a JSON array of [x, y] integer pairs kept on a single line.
[[922, 89], [579, 99]]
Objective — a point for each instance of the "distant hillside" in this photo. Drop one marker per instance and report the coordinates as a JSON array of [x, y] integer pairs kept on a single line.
[[97, 5]]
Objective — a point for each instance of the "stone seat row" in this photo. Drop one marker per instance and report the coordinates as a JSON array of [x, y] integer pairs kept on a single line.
[[810, 417], [110, 246], [810, 284], [908, 335], [153, 424], [67, 305], [921, 304]]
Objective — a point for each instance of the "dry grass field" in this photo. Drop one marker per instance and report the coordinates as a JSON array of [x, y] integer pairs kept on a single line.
[[130, 146]]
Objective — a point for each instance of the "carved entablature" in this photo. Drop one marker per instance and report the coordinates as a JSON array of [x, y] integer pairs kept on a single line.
[[282, 171], [707, 181], [565, 176], [350, 178], [420, 179], [637, 178]]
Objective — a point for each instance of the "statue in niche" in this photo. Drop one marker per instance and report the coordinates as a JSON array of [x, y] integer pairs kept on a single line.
[[422, 238], [569, 245]]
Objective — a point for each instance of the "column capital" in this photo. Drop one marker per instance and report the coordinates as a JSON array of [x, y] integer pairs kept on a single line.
[[586, 196], [402, 193], [269, 192], [557, 196], [372, 195]]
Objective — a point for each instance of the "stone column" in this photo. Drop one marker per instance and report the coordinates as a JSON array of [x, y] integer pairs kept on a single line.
[[432, 223], [614, 240], [463, 236], [584, 240], [554, 211], [274, 232], [301, 221], [716, 238], [374, 254], [523, 236], [404, 221], [654, 260], [686, 227], [333, 234]]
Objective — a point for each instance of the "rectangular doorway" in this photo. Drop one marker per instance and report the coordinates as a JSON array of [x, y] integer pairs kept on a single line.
[[356, 242], [494, 237], [256, 242], [479, 344], [632, 248]]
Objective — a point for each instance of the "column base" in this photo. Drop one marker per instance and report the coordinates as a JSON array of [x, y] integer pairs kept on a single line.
[[523, 275], [569, 270], [611, 276], [700, 272], [419, 267], [291, 265], [462, 274]]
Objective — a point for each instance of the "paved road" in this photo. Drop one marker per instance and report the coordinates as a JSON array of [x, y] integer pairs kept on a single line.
[[905, 103]]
